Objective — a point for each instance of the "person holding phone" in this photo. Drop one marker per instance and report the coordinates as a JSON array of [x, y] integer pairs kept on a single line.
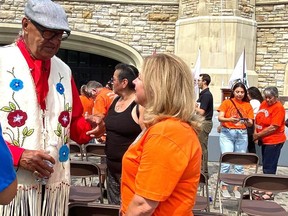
[[235, 115]]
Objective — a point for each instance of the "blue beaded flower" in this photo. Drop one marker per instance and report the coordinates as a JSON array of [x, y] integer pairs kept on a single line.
[[60, 88], [63, 153], [16, 84]]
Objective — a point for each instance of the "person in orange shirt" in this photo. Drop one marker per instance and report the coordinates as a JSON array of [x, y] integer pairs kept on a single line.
[[103, 98], [161, 168], [270, 132], [235, 115], [103, 101], [86, 100]]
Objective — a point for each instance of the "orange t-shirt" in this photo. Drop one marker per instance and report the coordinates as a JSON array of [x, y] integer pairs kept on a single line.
[[164, 166], [103, 101], [229, 110], [87, 104], [271, 115]]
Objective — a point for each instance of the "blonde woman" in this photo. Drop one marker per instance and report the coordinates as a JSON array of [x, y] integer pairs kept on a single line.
[[161, 168]]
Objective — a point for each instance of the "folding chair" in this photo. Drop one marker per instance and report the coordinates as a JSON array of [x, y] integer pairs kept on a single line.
[[199, 213], [98, 150], [263, 182], [234, 158], [93, 209], [75, 149], [202, 201], [85, 169], [94, 149]]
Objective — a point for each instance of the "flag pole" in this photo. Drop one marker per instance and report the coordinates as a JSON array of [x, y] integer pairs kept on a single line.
[[245, 75], [244, 65]]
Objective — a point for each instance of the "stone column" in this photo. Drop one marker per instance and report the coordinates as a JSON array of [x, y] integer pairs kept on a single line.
[[221, 29]]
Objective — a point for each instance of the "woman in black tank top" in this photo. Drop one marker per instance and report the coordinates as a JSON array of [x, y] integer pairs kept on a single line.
[[122, 127]]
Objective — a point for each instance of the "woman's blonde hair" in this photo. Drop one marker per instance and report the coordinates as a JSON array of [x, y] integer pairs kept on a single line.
[[169, 89]]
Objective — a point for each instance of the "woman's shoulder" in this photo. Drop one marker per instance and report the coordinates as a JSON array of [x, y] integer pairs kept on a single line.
[[171, 124], [225, 103], [280, 105]]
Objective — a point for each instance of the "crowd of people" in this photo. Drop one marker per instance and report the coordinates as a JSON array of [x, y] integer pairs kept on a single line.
[[154, 129]]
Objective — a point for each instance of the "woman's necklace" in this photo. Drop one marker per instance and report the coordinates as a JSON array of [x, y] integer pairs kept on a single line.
[[121, 104]]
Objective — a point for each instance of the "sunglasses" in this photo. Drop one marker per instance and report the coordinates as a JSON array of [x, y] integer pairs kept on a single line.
[[48, 34]]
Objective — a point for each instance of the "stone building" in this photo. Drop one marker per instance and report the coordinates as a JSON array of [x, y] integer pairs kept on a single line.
[[128, 30]]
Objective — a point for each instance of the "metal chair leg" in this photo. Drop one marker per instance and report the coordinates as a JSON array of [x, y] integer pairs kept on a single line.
[[215, 195], [220, 202]]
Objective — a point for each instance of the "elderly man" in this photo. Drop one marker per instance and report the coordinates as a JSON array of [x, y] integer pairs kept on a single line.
[[40, 111]]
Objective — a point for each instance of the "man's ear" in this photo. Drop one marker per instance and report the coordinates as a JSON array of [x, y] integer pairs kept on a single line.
[[24, 23]]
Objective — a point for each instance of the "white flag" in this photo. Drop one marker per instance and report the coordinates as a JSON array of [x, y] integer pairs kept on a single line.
[[196, 73], [240, 72]]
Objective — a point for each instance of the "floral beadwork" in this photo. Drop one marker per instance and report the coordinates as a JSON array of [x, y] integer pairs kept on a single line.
[[64, 153], [16, 117], [63, 122], [64, 118], [60, 88], [16, 84]]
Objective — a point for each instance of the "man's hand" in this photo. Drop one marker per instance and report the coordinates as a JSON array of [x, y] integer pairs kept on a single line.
[[33, 160], [98, 126]]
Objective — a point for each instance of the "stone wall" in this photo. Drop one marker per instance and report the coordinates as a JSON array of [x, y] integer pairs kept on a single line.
[[146, 27], [272, 45], [190, 8]]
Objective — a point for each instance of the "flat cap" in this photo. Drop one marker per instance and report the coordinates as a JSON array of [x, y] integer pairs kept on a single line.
[[48, 14]]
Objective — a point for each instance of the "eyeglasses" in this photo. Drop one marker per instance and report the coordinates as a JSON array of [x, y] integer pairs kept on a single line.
[[48, 34]]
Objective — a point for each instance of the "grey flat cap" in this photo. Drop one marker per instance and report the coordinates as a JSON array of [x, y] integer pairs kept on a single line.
[[48, 14]]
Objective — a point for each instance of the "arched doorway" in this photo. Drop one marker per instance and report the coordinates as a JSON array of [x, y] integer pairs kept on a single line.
[[87, 66]]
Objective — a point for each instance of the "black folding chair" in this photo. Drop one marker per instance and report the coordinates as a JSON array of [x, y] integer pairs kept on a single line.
[[234, 158], [97, 150], [85, 169], [93, 209], [199, 213], [202, 200], [75, 150], [263, 182]]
